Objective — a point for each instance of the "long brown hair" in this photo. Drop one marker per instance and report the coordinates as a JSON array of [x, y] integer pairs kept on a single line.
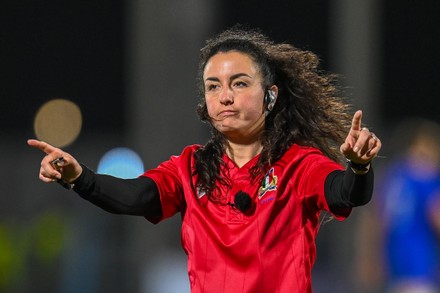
[[309, 110]]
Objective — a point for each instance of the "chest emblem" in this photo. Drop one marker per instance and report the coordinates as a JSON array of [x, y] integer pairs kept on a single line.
[[269, 183]]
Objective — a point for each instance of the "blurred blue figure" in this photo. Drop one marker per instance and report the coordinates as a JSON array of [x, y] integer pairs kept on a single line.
[[410, 203]]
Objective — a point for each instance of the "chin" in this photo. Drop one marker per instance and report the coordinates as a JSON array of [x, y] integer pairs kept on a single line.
[[225, 130]]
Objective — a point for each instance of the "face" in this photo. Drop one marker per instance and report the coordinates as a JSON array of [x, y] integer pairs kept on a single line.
[[234, 95]]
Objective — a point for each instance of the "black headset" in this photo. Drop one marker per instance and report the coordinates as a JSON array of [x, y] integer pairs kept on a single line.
[[270, 99]]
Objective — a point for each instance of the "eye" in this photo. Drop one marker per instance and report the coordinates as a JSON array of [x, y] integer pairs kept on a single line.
[[211, 87], [239, 84]]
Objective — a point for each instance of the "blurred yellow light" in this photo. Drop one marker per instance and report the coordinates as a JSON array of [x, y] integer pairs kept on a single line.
[[58, 122]]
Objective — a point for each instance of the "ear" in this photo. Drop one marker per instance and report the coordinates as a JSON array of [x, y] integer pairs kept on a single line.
[[274, 88], [270, 98]]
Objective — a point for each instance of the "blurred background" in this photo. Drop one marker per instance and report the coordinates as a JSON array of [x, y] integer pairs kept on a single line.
[[130, 67]]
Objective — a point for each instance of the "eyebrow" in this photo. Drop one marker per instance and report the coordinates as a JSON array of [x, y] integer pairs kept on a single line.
[[234, 76]]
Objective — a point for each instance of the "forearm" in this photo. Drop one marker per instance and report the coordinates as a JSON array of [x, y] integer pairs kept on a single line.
[[138, 196], [347, 189]]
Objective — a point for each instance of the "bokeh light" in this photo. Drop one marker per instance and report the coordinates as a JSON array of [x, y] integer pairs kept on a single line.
[[58, 122], [121, 162]]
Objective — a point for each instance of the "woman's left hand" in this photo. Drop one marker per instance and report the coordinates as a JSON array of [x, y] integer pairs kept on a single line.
[[360, 145]]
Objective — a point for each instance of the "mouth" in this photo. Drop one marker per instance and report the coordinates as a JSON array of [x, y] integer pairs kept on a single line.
[[227, 113]]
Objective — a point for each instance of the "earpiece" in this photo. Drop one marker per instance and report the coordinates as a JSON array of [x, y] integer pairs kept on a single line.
[[269, 100]]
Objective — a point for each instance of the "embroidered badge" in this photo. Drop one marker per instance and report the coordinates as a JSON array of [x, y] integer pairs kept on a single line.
[[269, 183]]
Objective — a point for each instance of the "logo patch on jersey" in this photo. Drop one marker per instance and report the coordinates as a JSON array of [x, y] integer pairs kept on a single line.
[[269, 183]]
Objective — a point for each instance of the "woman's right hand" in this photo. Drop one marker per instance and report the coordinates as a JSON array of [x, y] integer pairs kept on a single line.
[[67, 169]]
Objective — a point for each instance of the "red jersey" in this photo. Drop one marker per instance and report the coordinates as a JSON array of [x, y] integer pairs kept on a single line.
[[272, 248]]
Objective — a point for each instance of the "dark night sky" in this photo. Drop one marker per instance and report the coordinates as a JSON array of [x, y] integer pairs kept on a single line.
[[52, 49], [62, 49], [411, 59]]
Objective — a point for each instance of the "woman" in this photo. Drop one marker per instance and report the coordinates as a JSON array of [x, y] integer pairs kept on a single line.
[[251, 197]]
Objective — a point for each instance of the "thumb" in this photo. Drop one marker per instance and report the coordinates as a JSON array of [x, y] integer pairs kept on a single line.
[[343, 148]]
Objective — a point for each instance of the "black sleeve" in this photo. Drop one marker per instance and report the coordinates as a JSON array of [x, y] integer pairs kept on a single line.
[[138, 196], [346, 189]]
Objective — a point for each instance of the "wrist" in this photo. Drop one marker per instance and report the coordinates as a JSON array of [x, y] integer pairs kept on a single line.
[[70, 184], [359, 168]]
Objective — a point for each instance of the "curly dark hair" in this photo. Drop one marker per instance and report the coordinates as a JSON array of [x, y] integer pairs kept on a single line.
[[309, 111]]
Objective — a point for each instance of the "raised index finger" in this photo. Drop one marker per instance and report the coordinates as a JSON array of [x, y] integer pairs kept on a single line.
[[357, 121], [41, 145]]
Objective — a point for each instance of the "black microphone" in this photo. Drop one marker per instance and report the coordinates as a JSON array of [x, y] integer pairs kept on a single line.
[[242, 202]]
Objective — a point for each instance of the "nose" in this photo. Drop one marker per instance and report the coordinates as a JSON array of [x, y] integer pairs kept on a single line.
[[226, 97]]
